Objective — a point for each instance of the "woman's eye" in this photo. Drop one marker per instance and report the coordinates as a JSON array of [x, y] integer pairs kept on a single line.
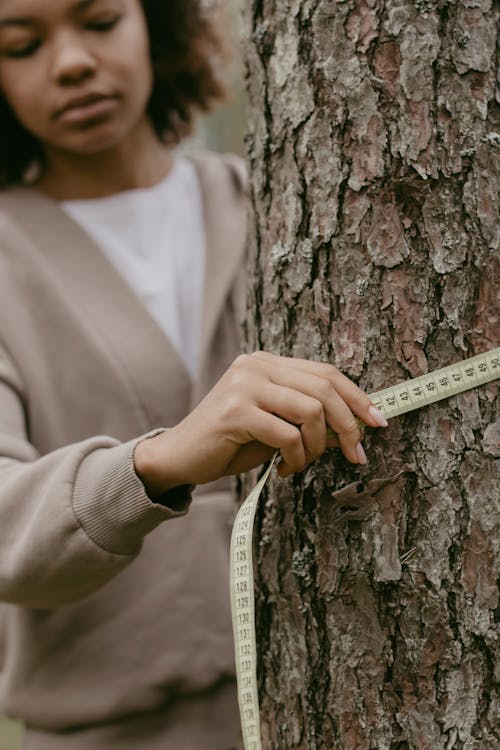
[[25, 51], [104, 24]]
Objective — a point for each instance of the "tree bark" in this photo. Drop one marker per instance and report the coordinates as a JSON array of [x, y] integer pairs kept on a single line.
[[373, 143]]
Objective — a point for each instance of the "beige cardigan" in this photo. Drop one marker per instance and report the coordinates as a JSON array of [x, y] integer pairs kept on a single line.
[[107, 611]]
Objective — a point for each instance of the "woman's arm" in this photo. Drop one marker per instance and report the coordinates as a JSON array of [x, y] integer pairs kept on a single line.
[[262, 403], [70, 520]]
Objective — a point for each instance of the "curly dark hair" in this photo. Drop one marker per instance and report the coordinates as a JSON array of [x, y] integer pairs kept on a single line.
[[186, 53]]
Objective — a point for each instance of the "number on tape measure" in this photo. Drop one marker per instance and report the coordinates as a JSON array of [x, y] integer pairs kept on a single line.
[[243, 612], [392, 401]]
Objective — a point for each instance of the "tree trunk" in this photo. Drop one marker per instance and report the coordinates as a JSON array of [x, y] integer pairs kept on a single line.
[[373, 148]]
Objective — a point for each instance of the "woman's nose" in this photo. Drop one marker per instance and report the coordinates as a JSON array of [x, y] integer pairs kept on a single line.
[[72, 60]]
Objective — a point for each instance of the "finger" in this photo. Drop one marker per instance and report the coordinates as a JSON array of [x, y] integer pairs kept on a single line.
[[269, 429], [332, 440], [300, 409], [337, 413], [358, 401], [248, 457]]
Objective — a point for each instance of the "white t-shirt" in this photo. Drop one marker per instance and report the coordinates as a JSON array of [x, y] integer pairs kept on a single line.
[[156, 239]]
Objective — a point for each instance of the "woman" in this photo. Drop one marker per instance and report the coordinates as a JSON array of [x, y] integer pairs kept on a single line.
[[118, 313]]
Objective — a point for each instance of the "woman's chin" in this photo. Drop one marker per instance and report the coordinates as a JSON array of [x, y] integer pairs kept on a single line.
[[93, 142]]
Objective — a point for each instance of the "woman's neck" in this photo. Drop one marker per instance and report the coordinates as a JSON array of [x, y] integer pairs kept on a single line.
[[140, 161]]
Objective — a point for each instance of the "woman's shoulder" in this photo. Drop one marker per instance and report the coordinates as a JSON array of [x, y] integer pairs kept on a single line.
[[225, 169], [24, 213], [13, 207], [17, 203], [237, 167]]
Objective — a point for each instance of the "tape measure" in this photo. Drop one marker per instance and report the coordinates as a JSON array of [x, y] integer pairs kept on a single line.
[[392, 401]]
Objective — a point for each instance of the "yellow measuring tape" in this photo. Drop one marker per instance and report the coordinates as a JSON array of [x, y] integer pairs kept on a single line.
[[392, 401]]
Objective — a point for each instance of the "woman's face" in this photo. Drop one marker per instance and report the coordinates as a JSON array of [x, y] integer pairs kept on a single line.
[[76, 73]]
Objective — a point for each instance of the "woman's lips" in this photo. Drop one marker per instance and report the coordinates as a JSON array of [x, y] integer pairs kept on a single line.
[[80, 113]]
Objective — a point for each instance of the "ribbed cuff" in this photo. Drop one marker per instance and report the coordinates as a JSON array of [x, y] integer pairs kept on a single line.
[[111, 503]]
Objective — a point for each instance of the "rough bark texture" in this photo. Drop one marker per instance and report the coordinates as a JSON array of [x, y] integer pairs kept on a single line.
[[374, 155]]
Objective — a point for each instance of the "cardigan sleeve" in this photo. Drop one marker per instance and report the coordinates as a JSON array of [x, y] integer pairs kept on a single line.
[[72, 519]]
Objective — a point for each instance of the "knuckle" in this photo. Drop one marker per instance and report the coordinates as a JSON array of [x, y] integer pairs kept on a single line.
[[315, 410], [237, 380], [264, 356], [350, 427], [232, 408], [240, 372], [327, 389], [330, 371], [241, 361], [363, 402], [292, 439]]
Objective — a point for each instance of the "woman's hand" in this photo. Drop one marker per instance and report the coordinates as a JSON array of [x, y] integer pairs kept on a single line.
[[260, 404]]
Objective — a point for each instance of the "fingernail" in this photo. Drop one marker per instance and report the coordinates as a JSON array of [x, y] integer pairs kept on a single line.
[[377, 416], [362, 459]]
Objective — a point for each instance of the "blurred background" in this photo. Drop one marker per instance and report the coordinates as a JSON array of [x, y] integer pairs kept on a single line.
[[223, 130]]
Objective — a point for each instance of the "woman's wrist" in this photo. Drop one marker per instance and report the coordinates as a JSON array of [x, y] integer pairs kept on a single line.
[[152, 467]]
